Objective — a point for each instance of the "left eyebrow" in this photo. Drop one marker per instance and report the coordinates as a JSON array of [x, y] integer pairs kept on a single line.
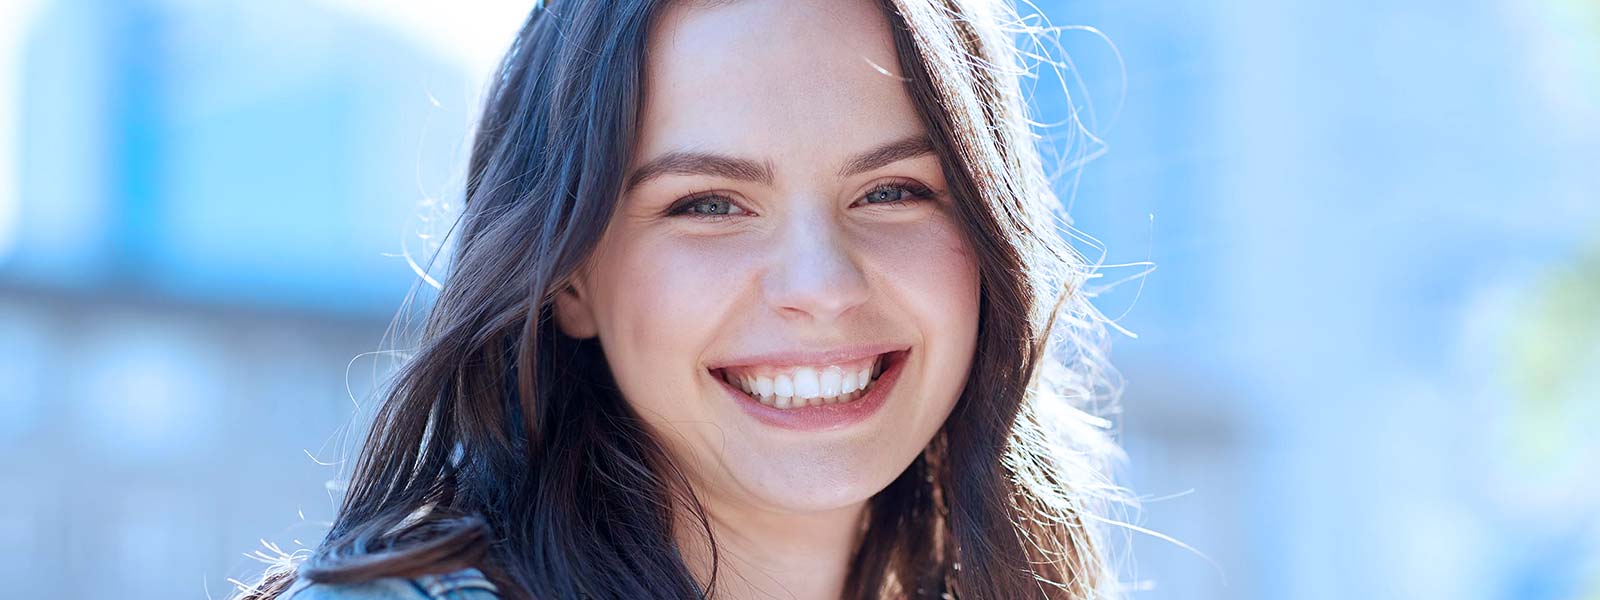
[[910, 146]]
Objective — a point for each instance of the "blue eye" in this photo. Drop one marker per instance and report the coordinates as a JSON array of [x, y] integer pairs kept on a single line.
[[886, 194], [711, 206], [893, 194], [707, 207]]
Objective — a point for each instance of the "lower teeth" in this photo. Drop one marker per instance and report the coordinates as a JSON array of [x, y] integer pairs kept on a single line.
[[790, 402]]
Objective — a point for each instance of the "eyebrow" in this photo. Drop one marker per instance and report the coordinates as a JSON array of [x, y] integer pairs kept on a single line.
[[687, 162], [910, 146], [683, 162]]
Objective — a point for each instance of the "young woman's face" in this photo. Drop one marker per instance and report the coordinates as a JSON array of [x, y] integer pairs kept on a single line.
[[785, 226]]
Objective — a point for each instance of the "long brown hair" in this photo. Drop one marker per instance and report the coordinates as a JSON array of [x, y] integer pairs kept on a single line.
[[504, 445]]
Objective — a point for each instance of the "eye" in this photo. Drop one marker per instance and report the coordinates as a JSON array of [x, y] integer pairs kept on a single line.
[[896, 194], [706, 207]]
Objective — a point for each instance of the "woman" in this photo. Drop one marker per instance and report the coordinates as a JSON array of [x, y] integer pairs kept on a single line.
[[750, 299]]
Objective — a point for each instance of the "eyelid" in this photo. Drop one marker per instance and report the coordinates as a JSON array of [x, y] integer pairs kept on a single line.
[[919, 191], [681, 207]]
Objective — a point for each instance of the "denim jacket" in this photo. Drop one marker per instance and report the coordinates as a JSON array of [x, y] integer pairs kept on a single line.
[[466, 584]]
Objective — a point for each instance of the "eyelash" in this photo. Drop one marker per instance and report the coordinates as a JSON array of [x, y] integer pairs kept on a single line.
[[916, 191]]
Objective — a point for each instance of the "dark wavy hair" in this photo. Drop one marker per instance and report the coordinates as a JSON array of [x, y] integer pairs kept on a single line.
[[503, 444]]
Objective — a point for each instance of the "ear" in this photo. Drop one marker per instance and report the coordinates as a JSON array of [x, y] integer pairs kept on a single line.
[[572, 312]]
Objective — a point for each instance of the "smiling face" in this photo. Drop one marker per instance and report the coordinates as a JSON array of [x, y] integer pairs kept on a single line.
[[785, 227]]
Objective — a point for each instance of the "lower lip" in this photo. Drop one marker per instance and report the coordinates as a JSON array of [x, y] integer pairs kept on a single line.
[[827, 416]]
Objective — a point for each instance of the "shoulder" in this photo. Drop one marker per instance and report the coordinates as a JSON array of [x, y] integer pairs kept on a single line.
[[465, 584]]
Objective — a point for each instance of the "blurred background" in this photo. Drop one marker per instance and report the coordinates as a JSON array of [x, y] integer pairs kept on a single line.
[[1366, 366]]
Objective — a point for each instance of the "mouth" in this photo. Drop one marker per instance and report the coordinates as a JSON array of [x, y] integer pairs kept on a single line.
[[795, 387]]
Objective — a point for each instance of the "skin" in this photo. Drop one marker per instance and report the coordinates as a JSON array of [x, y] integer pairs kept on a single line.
[[802, 262]]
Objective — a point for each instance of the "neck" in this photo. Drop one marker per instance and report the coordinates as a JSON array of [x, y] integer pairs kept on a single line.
[[772, 554]]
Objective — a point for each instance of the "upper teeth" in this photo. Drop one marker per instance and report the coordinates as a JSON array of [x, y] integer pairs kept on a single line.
[[794, 387]]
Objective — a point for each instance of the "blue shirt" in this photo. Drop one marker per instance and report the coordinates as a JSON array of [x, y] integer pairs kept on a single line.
[[466, 584]]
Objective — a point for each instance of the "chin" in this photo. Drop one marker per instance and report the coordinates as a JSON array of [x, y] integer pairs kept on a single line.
[[815, 486]]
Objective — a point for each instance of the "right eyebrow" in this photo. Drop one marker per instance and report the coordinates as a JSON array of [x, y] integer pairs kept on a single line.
[[681, 162]]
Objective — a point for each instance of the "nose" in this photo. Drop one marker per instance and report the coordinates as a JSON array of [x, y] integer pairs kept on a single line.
[[813, 275]]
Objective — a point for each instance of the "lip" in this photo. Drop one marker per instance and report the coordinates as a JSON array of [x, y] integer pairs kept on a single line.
[[826, 417]]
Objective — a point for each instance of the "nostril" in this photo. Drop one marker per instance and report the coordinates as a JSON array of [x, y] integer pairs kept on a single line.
[[819, 288]]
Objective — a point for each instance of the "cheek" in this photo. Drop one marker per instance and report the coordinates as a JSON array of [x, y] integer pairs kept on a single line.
[[931, 275], [931, 271], [660, 304]]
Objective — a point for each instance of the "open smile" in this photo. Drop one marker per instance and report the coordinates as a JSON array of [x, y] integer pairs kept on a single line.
[[798, 387], [814, 397]]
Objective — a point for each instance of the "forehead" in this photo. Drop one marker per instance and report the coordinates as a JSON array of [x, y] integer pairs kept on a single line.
[[776, 79]]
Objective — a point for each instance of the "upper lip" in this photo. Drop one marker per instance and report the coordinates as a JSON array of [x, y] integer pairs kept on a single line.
[[831, 356]]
